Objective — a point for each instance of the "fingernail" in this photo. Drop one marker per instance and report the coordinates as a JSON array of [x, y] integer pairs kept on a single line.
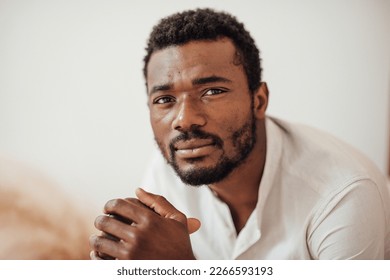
[[139, 190]]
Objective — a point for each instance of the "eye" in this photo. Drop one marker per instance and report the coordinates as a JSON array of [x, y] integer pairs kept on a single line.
[[214, 91], [163, 100]]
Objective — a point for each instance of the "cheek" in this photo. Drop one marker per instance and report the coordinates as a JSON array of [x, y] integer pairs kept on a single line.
[[161, 127], [232, 119], [159, 136]]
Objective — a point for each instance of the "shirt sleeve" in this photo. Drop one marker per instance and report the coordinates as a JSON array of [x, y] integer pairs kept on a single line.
[[349, 225]]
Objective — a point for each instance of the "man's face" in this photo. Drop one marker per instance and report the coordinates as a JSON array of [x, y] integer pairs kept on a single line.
[[201, 110]]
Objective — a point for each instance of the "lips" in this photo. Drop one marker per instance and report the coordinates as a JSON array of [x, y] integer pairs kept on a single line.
[[194, 148], [193, 144]]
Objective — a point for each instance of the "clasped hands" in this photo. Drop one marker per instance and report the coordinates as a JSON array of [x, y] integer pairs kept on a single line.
[[149, 227]]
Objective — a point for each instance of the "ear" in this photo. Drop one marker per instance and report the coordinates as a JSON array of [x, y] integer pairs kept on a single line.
[[260, 101]]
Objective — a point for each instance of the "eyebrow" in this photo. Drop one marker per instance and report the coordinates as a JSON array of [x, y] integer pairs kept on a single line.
[[197, 81], [211, 79], [163, 87]]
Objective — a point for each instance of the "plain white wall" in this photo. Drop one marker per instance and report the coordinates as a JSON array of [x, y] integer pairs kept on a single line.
[[72, 96]]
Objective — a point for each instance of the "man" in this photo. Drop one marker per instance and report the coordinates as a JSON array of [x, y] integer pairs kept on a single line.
[[269, 189]]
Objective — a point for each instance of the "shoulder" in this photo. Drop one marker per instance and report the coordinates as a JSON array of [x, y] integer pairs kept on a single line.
[[320, 158], [334, 180]]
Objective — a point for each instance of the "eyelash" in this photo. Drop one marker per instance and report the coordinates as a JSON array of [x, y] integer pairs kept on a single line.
[[157, 100], [216, 91]]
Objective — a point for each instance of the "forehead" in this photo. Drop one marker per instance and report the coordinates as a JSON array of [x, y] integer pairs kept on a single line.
[[192, 60]]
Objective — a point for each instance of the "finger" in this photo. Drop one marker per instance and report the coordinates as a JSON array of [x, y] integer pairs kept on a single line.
[[104, 256], [99, 256], [94, 255], [166, 209], [193, 225], [136, 202], [104, 246], [132, 201], [160, 205], [109, 236], [113, 229], [125, 210], [121, 219]]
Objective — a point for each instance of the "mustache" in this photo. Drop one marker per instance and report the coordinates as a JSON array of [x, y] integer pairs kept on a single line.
[[195, 133]]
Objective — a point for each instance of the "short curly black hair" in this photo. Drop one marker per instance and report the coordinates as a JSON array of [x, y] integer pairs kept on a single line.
[[206, 24]]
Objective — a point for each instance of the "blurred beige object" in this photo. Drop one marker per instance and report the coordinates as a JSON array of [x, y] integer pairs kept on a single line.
[[37, 221]]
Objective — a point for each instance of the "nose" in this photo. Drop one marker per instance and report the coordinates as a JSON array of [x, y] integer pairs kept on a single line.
[[189, 114]]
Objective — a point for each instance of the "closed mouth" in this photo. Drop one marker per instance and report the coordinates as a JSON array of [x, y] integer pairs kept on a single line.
[[193, 144]]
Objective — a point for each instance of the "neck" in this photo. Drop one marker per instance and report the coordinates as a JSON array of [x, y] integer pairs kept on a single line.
[[240, 189]]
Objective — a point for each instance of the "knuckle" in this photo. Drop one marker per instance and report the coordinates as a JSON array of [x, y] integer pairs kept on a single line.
[[132, 199], [101, 222], [129, 234], [148, 219], [126, 253], [180, 216], [137, 239], [160, 199], [95, 242], [130, 250], [136, 202], [139, 203], [113, 204]]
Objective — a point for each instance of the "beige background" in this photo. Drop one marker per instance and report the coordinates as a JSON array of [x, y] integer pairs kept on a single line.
[[72, 96]]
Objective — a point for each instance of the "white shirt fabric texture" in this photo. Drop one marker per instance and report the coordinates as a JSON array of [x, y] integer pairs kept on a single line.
[[318, 199]]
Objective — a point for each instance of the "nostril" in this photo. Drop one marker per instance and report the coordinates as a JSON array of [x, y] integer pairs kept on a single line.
[[188, 115]]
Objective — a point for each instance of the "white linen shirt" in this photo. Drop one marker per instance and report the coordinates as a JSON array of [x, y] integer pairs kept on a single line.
[[318, 199]]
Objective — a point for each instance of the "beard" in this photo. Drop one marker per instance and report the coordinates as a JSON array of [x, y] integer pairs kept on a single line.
[[243, 141]]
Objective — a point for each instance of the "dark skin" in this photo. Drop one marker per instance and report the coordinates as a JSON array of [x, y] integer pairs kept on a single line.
[[183, 92], [149, 215]]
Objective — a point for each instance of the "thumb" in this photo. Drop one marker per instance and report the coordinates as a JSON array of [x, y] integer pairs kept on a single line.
[[165, 209], [193, 225]]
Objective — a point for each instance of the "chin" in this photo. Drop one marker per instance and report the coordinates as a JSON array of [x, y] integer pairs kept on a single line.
[[198, 176]]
